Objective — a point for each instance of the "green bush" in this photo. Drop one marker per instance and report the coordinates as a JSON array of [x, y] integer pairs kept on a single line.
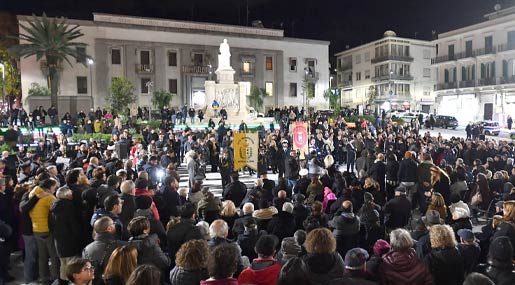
[[354, 119], [86, 137], [38, 90], [399, 121]]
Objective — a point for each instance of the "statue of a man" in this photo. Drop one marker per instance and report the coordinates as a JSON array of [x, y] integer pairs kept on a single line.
[[224, 58]]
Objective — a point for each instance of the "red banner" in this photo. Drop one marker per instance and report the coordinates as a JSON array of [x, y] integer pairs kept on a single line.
[[300, 137]]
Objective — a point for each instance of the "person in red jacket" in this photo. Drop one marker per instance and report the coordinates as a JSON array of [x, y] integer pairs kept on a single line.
[[264, 270]]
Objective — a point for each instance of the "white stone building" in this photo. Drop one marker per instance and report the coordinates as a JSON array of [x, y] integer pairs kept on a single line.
[[180, 56], [398, 68], [475, 69]]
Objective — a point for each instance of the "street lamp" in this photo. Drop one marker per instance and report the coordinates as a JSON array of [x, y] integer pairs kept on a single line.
[[90, 63], [149, 85], [3, 84]]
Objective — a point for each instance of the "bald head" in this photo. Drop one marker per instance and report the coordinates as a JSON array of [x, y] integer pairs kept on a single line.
[[219, 229], [128, 187], [281, 194], [102, 225]]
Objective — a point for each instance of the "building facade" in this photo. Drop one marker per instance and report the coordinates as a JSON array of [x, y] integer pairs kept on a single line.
[[177, 56], [390, 73], [475, 69]]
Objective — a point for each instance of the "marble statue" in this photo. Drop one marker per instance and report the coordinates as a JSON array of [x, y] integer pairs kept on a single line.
[[224, 58]]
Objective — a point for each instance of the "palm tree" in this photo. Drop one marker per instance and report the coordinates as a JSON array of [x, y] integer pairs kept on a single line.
[[161, 99], [52, 41], [256, 97]]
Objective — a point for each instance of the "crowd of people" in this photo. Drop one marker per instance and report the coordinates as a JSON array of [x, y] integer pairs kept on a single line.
[[380, 203]]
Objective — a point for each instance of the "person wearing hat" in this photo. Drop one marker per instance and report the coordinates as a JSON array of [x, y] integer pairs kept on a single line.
[[209, 207], [143, 204], [355, 268], [423, 246], [499, 265], [397, 211], [460, 220], [380, 248], [303, 183], [469, 249], [289, 249], [283, 154]]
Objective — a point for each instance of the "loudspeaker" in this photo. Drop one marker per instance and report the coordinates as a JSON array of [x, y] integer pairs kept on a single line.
[[122, 150]]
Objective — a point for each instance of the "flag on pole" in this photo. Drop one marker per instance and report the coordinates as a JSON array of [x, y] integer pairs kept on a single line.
[[300, 137], [246, 148]]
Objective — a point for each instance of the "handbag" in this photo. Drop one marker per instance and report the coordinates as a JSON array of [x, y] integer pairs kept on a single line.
[[476, 199]]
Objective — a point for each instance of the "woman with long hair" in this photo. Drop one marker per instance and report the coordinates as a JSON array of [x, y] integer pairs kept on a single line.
[[441, 183], [507, 226], [121, 264], [145, 274], [438, 204], [481, 186]]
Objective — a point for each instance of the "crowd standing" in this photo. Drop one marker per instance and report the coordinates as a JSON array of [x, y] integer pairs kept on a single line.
[[378, 203]]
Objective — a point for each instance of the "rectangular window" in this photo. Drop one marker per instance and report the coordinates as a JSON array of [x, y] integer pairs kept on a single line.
[[451, 51], [367, 56], [269, 63], [489, 44], [367, 74], [82, 85], [427, 72], [293, 64], [144, 57], [357, 59], [145, 84], [293, 89], [81, 55], [358, 76], [511, 40], [246, 67], [198, 59], [269, 88], [172, 58], [172, 86], [468, 48], [116, 56]]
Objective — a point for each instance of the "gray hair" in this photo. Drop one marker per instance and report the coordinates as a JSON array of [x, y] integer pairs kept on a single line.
[[63, 192], [259, 182], [127, 186], [218, 228], [400, 240], [203, 226], [288, 207], [248, 208]]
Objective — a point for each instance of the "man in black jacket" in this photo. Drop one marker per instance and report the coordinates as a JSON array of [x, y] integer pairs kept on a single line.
[[128, 189], [302, 185], [235, 191], [239, 224], [398, 210], [407, 175], [378, 171], [292, 168], [171, 200], [183, 231], [65, 228]]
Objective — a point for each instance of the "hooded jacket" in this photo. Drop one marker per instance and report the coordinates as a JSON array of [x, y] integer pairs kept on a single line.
[[400, 268], [65, 228]]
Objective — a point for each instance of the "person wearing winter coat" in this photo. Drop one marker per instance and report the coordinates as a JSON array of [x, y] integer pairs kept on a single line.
[[209, 207], [191, 263], [113, 207], [397, 211], [499, 266], [283, 223], [247, 240], [346, 227], [265, 269], [444, 261], [143, 204], [401, 265], [147, 245], [65, 228], [324, 263]]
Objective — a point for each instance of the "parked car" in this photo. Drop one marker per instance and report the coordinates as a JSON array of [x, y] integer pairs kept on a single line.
[[490, 128], [445, 122], [395, 113]]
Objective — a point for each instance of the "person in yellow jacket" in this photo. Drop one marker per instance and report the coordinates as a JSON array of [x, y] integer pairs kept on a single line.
[[44, 240], [97, 126]]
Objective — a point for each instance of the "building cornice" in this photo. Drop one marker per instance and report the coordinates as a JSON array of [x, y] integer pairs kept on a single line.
[[483, 25], [372, 44]]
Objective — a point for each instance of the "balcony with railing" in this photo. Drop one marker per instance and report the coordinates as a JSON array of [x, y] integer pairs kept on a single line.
[[485, 51], [381, 58], [394, 97], [312, 76], [506, 47], [195, 69], [443, 58], [444, 86], [392, 77], [486, 81], [467, 83], [346, 84], [144, 68], [345, 67], [465, 54], [507, 79]]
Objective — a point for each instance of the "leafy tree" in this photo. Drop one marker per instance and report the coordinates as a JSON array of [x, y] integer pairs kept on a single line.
[[256, 97], [161, 99], [372, 94], [334, 100], [52, 41], [121, 93], [12, 77], [310, 89], [38, 90]]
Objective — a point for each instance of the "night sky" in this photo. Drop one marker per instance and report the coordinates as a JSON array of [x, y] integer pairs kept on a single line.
[[343, 22]]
